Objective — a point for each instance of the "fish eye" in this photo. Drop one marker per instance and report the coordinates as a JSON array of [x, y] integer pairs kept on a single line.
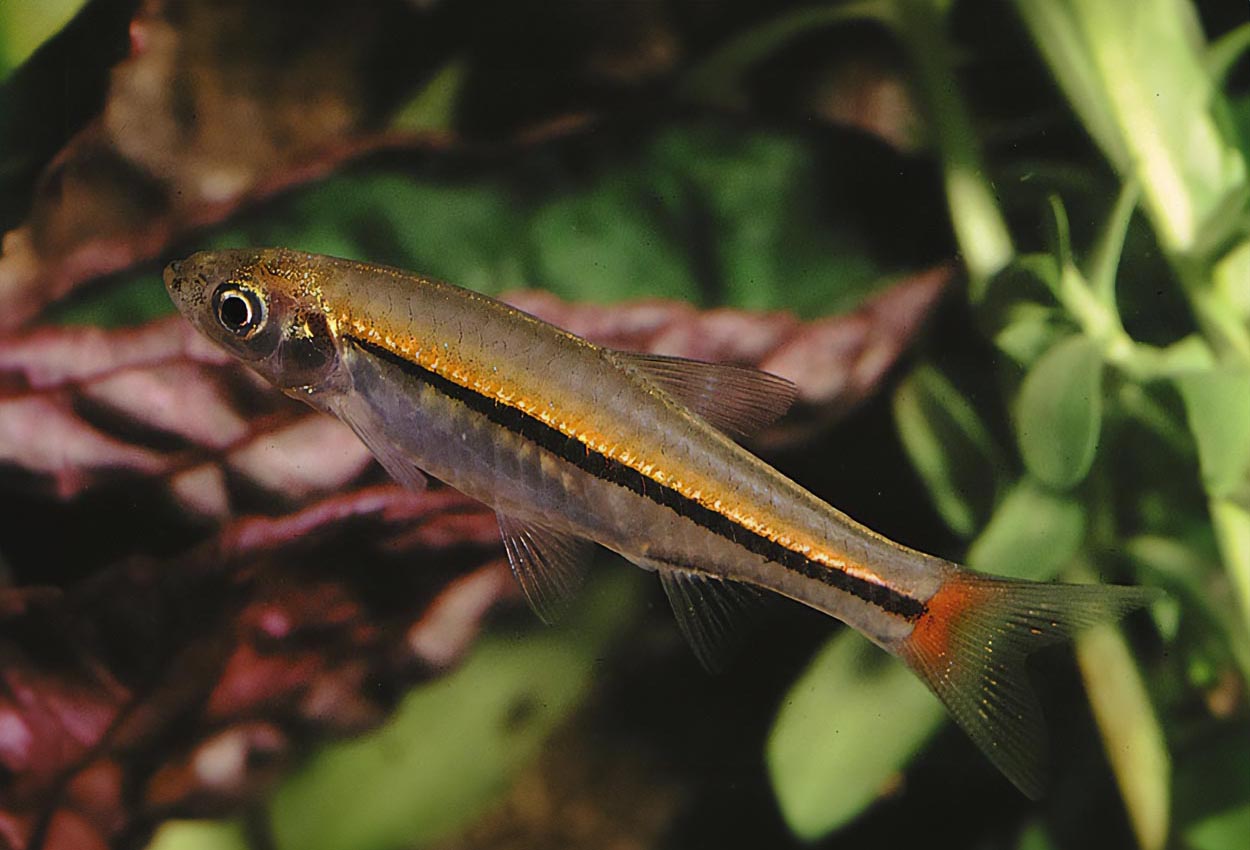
[[239, 309]]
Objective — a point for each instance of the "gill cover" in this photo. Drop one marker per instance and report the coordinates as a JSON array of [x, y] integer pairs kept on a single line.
[[271, 322]]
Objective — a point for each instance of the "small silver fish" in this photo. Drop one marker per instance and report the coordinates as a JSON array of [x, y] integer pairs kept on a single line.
[[571, 442]]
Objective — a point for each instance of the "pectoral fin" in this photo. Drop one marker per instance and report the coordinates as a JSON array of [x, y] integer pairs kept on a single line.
[[739, 400], [393, 459]]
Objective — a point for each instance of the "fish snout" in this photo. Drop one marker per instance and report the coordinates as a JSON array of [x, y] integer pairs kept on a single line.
[[173, 276]]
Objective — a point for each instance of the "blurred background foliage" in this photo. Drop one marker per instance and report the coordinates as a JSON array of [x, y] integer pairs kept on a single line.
[[1080, 408]]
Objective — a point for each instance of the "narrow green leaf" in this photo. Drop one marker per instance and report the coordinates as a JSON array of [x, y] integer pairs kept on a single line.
[[1061, 232], [718, 79], [1058, 35], [1130, 730], [24, 26], [433, 108], [454, 744], [1034, 837], [1231, 277], [1059, 412], [849, 724], [1019, 309], [1222, 56], [979, 226], [1135, 71], [950, 447], [1104, 260], [1185, 569], [1217, 403], [200, 835], [1034, 533], [1227, 830], [1231, 521]]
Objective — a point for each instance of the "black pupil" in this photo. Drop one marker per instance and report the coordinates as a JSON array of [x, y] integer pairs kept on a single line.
[[235, 311]]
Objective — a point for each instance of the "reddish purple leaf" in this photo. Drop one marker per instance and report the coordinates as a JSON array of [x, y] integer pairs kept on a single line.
[[178, 689], [83, 407], [835, 362], [220, 104]]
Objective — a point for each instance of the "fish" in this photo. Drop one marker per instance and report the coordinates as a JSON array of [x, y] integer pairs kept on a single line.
[[574, 444]]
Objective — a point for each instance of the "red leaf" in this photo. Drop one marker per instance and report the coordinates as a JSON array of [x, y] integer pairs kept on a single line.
[[83, 407], [158, 690]]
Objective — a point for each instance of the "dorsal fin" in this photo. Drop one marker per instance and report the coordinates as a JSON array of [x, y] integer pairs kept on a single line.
[[709, 612], [548, 564], [739, 400]]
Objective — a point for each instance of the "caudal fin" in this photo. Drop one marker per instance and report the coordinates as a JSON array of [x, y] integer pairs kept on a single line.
[[970, 647]]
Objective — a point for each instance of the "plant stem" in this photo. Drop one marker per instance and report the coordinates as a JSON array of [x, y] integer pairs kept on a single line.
[[1232, 532]]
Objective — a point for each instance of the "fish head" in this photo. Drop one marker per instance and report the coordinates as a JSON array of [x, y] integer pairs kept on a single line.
[[263, 306]]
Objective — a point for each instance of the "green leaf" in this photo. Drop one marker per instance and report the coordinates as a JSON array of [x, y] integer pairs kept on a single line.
[[1131, 734], [603, 244], [1211, 775], [1104, 259], [1188, 570], [700, 211], [1019, 311], [850, 723], [856, 716], [133, 301], [1224, 831], [950, 447], [24, 26], [1217, 402], [984, 241], [776, 241], [1222, 56], [1031, 331], [1135, 71], [1033, 534], [454, 744], [718, 79], [433, 108], [464, 230], [1059, 412], [200, 835], [1231, 276], [1231, 521], [1061, 233], [1034, 837]]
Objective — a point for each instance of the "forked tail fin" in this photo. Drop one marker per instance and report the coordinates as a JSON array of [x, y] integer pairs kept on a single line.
[[970, 647]]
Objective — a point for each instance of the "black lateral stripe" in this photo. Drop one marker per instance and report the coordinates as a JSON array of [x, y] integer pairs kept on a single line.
[[606, 468]]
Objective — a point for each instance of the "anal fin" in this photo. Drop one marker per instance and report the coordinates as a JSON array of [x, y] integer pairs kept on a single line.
[[739, 400], [549, 565], [709, 611]]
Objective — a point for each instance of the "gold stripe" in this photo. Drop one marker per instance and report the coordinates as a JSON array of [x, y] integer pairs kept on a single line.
[[445, 365]]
